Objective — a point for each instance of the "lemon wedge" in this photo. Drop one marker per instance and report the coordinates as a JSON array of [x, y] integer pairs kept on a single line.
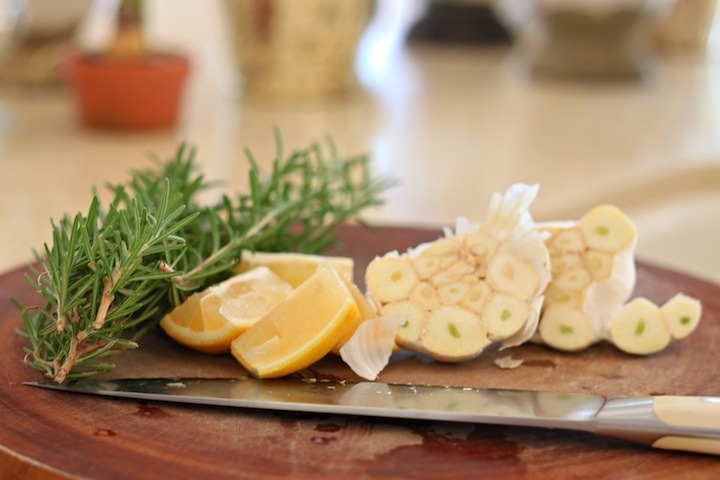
[[301, 329], [210, 320], [294, 268]]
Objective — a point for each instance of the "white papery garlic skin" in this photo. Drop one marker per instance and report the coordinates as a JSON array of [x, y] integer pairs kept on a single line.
[[368, 351]]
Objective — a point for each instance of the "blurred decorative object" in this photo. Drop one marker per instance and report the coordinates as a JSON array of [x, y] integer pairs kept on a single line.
[[45, 30], [381, 46], [50, 19], [687, 27], [10, 12], [591, 39], [297, 48], [129, 86], [131, 94], [461, 21]]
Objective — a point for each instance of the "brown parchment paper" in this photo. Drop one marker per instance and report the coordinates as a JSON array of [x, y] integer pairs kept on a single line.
[[687, 367]]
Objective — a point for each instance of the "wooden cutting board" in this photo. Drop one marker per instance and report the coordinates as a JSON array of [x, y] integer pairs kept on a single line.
[[52, 435]]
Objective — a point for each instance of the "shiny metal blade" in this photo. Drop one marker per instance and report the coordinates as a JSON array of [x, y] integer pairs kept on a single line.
[[679, 423], [459, 404]]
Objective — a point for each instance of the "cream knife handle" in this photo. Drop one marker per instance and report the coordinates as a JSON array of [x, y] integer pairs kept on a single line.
[[668, 422], [688, 412]]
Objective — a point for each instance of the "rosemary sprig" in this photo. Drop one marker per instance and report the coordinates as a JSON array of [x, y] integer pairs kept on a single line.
[[110, 274]]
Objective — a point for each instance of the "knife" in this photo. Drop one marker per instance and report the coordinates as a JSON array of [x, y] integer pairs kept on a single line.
[[666, 422]]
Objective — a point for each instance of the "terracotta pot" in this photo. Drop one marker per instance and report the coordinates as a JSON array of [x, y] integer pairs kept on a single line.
[[128, 94]]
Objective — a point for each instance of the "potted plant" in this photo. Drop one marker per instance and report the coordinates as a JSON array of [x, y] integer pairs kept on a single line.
[[128, 86]]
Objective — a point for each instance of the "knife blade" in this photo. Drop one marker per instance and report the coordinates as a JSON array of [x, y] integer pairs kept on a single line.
[[666, 422]]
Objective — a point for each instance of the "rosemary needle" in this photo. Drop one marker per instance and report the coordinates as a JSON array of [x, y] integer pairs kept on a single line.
[[110, 273]]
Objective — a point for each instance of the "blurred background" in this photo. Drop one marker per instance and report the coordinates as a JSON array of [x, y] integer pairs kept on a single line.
[[598, 101]]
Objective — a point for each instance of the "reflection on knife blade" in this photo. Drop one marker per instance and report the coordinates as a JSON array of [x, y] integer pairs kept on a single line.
[[679, 423]]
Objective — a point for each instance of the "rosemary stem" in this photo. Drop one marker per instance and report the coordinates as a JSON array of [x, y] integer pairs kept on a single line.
[[104, 306], [234, 244]]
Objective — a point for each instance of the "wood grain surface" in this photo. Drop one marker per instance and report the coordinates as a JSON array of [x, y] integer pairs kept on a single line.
[[59, 435]]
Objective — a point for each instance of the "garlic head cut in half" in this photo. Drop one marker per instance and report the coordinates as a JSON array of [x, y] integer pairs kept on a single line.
[[593, 268], [478, 284]]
